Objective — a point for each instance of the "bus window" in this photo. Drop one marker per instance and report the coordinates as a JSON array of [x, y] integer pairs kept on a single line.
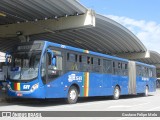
[[119, 70], [124, 69], [80, 58], [150, 73], [23, 62], [113, 64], [67, 56], [59, 62], [139, 70], [17, 62], [96, 65], [119, 65], [114, 71], [26, 63], [88, 60], [91, 60], [55, 70], [126, 66], [84, 59], [107, 66], [144, 71], [99, 61], [147, 72], [71, 57]]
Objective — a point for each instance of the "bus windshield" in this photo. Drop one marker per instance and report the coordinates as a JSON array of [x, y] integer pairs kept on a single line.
[[25, 65]]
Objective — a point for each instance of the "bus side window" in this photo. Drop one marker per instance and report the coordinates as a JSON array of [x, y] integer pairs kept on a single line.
[[154, 72], [84, 59], [126, 66], [88, 60], [72, 61], [147, 72], [59, 62], [71, 57], [92, 60], [67, 56], [124, 69], [107, 66], [80, 58], [114, 67], [84, 63], [119, 70], [99, 61], [140, 71], [119, 65], [55, 70], [150, 73], [96, 65], [144, 71]]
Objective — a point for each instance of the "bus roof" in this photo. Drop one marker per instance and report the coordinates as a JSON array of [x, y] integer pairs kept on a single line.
[[84, 51], [91, 52], [140, 63]]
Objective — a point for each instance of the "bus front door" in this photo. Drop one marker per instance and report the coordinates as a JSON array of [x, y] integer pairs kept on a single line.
[[54, 70]]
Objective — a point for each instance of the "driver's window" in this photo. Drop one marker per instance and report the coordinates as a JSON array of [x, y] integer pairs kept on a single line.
[[54, 70]]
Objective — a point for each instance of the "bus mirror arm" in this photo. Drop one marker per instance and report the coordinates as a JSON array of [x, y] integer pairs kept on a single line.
[[5, 77], [52, 55], [54, 61]]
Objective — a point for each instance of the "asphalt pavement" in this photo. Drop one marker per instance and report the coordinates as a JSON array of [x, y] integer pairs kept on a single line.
[[125, 103]]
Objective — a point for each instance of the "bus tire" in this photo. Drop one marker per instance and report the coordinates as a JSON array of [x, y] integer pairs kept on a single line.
[[116, 93], [146, 91], [72, 96]]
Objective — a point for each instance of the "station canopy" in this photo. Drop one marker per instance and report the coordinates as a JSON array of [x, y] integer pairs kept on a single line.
[[154, 59], [106, 36]]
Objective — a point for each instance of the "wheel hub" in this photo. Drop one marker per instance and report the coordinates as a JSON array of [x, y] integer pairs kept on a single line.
[[116, 92], [72, 94]]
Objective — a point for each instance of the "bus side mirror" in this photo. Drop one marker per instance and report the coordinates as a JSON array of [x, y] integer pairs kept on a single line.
[[8, 58], [54, 61]]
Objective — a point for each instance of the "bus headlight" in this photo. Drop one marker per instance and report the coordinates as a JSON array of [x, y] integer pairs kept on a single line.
[[9, 87], [34, 87]]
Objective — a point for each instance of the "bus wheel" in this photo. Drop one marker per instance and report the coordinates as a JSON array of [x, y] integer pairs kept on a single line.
[[146, 91], [72, 95], [116, 93]]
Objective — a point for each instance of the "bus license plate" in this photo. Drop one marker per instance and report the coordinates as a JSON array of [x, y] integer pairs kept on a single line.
[[19, 94]]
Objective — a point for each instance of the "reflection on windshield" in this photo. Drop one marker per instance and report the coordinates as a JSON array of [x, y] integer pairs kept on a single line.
[[25, 65]]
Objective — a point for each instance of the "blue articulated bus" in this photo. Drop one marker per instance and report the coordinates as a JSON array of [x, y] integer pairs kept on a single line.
[[42, 69]]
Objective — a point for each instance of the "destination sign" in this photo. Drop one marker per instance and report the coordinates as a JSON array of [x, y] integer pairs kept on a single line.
[[36, 46]]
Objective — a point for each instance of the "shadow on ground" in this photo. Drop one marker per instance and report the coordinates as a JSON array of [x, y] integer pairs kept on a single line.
[[58, 102]]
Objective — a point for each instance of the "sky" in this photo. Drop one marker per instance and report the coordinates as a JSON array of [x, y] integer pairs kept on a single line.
[[141, 17]]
